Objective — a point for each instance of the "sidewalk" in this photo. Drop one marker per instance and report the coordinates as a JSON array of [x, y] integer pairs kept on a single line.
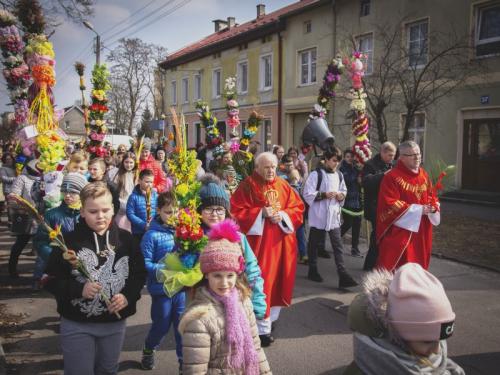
[[312, 335]]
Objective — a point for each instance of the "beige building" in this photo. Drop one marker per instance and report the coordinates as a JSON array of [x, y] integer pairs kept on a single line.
[[461, 128], [291, 47]]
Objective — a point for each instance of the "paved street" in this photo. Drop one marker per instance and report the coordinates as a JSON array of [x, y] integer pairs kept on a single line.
[[312, 335]]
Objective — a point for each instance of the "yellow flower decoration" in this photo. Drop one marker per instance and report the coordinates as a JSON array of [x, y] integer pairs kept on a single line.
[[245, 142], [99, 94], [182, 189], [54, 233]]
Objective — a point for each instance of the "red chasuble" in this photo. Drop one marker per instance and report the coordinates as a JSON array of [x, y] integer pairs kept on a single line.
[[276, 251], [400, 188]]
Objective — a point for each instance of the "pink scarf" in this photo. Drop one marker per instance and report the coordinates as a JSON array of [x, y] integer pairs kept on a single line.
[[242, 353]]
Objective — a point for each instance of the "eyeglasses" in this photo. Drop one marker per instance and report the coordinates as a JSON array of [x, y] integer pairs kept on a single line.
[[215, 210], [412, 155]]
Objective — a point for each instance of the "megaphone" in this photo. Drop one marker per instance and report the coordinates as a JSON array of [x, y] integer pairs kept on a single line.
[[316, 133]]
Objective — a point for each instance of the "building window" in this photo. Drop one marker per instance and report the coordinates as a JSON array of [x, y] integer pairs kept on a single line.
[[307, 66], [197, 87], [242, 77], [488, 30], [216, 83], [365, 46], [417, 43], [185, 90], [221, 125], [66, 125], [365, 8], [266, 72], [198, 132], [174, 92], [307, 27], [266, 135], [416, 131]]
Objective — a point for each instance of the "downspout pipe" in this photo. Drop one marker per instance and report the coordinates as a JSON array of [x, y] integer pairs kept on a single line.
[[280, 85]]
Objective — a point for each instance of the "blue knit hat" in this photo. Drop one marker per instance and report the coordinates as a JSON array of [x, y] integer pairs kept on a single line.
[[212, 192]]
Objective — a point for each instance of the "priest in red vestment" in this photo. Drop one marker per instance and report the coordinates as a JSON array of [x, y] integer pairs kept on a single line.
[[407, 209], [269, 211]]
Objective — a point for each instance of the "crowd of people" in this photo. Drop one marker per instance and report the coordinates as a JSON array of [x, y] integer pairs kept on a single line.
[[115, 213]]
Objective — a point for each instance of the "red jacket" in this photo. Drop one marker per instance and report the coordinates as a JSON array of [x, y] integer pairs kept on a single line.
[[161, 181]]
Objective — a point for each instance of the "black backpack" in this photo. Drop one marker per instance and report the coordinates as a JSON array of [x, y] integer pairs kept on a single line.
[[318, 185]]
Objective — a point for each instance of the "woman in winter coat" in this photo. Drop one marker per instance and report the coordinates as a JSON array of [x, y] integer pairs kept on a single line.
[[123, 180], [219, 330], [27, 186], [401, 322]]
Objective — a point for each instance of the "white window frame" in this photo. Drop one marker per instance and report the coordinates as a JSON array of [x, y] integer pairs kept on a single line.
[[409, 41], [415, 133], [263, 135], [197, 86], [367, 52], [216, 88], [185, 90], [240, 78], [173, 91], [262, 72], [478, 18], [309, 66]]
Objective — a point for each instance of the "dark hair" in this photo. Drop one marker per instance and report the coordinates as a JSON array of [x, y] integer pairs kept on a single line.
[[276, 148], [331, 152], [293, 148], [286, 159], [167, 198], [348, 151], [5, 155], [146, 173]]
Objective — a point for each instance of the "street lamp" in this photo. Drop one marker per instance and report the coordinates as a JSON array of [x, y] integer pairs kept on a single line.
[[89, 26]]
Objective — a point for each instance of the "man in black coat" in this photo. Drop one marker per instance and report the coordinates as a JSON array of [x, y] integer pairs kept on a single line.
[[373, 172]]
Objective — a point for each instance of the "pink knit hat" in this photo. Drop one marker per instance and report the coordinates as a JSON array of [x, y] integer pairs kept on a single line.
[[223, 251], [417, 307]]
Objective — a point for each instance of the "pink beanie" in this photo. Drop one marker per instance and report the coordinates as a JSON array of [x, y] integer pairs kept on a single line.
[[223, 251], [417, 307]]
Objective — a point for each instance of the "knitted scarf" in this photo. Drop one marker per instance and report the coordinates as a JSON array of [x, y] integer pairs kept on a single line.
[[242, 353]]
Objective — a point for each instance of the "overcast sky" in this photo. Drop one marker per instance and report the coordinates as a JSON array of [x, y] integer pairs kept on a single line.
[[169, 23]]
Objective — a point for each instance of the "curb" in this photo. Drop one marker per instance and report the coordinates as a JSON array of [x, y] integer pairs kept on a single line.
[[464, 262]]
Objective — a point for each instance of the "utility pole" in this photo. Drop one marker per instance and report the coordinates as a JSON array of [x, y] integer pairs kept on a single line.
[[89, 26]]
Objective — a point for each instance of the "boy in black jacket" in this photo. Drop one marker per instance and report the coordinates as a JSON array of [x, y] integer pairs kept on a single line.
[[92, 331]]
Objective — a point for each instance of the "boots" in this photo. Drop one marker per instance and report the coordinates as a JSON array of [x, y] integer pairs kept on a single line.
[[346, 280], [314, 275]]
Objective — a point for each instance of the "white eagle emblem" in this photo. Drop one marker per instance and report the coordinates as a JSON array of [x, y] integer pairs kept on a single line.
[[111, 278]]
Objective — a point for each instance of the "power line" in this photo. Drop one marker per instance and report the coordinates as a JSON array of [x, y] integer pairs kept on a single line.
[[134, 14], [159, 17], [152, 13]]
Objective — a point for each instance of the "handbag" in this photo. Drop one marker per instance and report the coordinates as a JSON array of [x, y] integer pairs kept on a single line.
[[21, 223]]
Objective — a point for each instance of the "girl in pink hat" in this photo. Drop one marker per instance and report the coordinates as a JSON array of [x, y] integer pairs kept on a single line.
[[219, 329]]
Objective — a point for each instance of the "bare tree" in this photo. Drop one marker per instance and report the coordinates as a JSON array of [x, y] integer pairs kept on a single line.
[[156, 83], [118, 105], [132, 69], [415, 77]]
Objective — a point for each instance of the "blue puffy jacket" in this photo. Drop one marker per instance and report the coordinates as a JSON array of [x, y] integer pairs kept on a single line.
[[62, 216], [136, 209], [156, 243], [254, 277]]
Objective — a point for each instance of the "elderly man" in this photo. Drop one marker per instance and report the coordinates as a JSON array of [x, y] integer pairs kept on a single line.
[[147, 161], [372, 174], [407, 209], [269, 211]]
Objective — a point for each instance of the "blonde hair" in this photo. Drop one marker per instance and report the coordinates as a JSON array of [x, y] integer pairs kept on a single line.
[[99, 161], [95, 190], [241, 284], [76, 158]]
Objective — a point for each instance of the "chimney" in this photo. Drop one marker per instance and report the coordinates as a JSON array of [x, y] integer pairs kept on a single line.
[[219, 25], [261, 10], [231, 22]]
